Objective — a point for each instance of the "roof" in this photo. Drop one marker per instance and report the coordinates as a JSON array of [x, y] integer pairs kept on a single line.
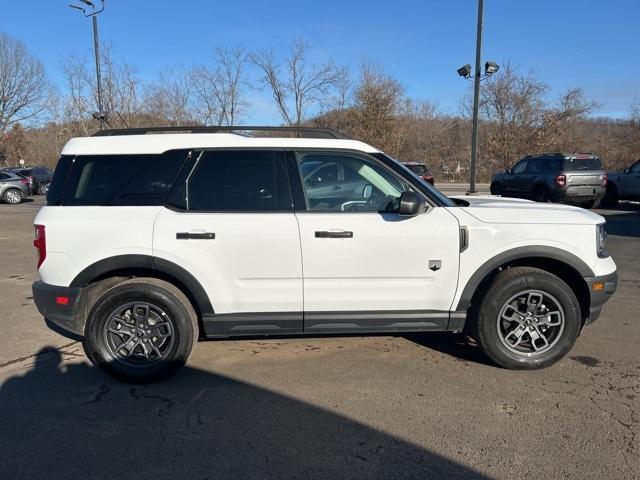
[[161, 142]]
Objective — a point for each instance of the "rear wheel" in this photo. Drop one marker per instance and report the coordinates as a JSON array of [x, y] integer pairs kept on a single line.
[[541, 194], [528, 319], [141, 331], [13, 196], [495, 189]]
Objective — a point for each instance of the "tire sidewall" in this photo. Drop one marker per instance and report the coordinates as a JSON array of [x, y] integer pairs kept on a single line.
[[500, 293], [98, 352]]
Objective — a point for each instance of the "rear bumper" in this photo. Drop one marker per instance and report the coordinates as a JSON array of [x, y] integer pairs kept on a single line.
[[600, 296], [60, 315], [578, 193]]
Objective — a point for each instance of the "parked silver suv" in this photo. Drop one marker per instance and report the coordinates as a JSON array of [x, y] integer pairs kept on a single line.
[[556, 177], [13, 188]]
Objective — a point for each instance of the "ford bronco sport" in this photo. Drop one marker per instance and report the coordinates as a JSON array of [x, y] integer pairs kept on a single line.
[[153, 239], [556, 177]]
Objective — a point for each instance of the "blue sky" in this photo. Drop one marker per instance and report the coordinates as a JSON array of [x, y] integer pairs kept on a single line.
[[588, 43]]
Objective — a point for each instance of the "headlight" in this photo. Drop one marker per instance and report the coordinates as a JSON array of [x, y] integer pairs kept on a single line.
[[601, 238]]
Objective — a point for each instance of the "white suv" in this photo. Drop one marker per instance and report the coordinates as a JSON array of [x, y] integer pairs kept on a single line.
[[151, 240]]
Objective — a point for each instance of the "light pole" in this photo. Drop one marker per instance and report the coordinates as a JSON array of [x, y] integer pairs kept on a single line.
[[100, 115], [489, 69]]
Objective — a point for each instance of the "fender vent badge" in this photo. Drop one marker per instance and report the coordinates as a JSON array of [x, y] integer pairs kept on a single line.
[[435, 265]]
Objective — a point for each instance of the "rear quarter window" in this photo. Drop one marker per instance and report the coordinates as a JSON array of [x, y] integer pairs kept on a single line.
[[119, 180]]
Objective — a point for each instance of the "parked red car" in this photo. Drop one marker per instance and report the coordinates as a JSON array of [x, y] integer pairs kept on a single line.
[[421, 170]]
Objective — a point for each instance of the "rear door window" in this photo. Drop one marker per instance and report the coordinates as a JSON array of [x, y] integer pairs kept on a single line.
[[536, 165], [239, 181]]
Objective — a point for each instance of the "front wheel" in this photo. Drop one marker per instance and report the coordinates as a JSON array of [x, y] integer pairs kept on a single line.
[[141, 331], [528, 319], [13, 196]]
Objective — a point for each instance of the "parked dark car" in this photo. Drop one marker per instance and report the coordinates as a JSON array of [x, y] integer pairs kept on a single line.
[[421, 170], [554, 177], [623, 185], [37, 177], [13, 188]]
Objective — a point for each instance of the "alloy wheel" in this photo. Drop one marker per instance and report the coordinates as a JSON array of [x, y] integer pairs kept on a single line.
[[530, 322], [139, 334]]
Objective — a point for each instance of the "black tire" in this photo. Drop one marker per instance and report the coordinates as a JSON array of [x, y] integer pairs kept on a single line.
[[495, 189], [174, 343], [541, 194], [611, 197], [588, 205], [13, 196], [488, 323]]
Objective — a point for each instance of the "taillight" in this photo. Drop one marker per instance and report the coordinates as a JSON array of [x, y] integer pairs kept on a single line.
[[605, 179], [561, 180], [40, 243], [24, 181]]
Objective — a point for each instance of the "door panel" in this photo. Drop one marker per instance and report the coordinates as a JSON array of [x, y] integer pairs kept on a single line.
[[252, 265], [629, 183], [382, 266]]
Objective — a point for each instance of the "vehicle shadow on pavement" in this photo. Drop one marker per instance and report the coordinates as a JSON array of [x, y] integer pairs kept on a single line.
[[71, 421], [456, 345]]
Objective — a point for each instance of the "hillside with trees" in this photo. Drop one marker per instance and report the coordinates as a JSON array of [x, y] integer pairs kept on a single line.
[[518, 114]]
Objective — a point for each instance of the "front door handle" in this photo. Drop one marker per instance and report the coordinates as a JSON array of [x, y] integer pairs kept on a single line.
[[325, 234], [195, 236], [336, 187]]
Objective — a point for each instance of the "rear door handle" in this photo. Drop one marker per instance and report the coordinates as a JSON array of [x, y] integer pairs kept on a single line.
[[334, 234], [195, 236]]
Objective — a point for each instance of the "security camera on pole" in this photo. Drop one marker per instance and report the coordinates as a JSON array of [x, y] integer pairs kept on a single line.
[[465, 71]]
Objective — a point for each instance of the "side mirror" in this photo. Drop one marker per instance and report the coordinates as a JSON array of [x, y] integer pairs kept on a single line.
[[626, 170], [410, 204], [508, 171]]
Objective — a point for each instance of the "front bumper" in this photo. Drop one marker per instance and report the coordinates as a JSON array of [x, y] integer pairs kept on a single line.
[[61, 308], [601, 289]]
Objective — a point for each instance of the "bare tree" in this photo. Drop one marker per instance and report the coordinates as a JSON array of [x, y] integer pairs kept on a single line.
[[377, 101], [25, 91], [219, 91], [121, 92], [76, 113], [168, 100], [513, 105], [301, 85]]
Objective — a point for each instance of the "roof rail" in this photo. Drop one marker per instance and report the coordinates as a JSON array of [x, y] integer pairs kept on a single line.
[[305, 132]]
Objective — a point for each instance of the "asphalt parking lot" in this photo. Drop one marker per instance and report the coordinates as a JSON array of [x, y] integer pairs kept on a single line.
[[411, 406]]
